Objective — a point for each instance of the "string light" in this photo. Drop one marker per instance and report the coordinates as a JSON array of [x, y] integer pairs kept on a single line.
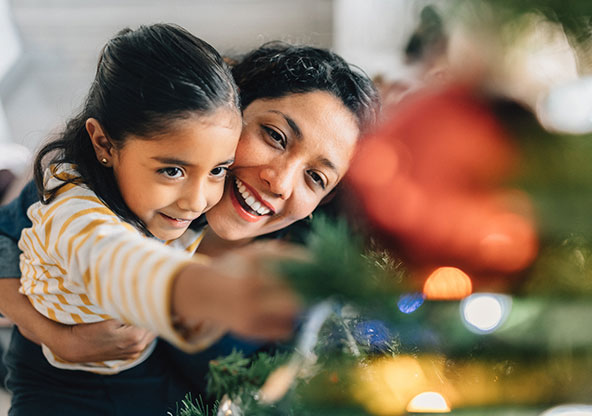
[[569, 410], [447, 283], [484, 313], [410, 302], [428, 402]]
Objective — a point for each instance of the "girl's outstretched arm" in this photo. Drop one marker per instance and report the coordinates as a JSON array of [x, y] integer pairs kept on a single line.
[[82, 264], [239, 292]]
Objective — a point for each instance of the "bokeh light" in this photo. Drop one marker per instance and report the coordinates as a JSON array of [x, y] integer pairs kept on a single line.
[[428, 402], [385, 386], [447, 283], [410, 302], [569, 410], [484, 312], [568, 107]]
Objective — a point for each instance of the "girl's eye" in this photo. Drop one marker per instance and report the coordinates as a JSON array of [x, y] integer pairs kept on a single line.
[[219, 172], [318, 179], [275, 136], [172, 173]]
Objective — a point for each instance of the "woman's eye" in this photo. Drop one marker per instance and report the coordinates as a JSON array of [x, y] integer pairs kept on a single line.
[[318, 179], [172, 173], [275, 136], [219, 172]]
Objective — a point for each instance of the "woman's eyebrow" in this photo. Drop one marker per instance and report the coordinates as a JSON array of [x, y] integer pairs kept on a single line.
[[291, 123], [326, 162]]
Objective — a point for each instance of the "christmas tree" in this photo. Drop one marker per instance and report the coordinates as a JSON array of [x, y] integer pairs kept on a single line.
[[465, 287]]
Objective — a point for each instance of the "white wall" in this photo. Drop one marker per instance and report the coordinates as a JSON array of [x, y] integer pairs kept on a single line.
[[373, 33], [62, 39], [9, 43], [10, 50]]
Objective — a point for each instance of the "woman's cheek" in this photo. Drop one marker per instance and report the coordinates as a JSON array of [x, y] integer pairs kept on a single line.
[[248, 146], [305, 207]]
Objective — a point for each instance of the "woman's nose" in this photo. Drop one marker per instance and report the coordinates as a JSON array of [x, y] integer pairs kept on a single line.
[[281, 179]]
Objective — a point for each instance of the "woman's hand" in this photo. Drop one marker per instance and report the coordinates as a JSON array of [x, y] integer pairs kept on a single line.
[[101, 341], [240, 292]]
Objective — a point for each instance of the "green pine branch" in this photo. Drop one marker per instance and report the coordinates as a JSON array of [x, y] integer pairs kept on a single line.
[[342, 268]]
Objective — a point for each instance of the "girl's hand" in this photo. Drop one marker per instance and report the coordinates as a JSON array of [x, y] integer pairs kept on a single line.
[[101, 341], [239, 292]]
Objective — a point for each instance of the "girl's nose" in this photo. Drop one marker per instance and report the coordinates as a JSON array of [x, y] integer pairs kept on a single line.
[[194, 198]]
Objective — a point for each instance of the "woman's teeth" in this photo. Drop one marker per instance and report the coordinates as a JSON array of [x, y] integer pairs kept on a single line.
[[250, 199]]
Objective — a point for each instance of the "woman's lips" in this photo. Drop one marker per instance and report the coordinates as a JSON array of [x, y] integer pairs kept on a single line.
[[248, 203]]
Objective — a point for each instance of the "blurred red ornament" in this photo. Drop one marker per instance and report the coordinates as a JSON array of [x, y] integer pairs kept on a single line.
[[431, 178]]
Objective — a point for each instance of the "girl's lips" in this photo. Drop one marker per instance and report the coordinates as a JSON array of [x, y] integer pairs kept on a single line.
[[175, 222]]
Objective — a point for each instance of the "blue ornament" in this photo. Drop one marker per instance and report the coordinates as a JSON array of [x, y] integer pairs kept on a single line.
[[372, 333], [410, 302]]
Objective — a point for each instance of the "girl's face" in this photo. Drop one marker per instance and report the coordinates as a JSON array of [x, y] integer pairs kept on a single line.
[[170, 179], [292, 152]]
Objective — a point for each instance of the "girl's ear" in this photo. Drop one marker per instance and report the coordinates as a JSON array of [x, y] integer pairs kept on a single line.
[[100, 141]]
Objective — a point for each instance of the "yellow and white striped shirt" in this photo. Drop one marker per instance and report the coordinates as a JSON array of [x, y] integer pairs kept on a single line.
[[81, 263]]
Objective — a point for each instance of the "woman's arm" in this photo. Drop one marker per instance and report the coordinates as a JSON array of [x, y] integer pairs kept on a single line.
[[13, 216], [108, 340]]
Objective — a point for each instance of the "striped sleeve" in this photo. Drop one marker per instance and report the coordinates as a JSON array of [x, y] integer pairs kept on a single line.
[[125, 273], [131, 277]]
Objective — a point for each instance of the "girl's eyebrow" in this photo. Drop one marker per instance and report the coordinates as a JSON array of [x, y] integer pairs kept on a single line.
[[291, 123], [171, 161], [227, 162], [175, 161]]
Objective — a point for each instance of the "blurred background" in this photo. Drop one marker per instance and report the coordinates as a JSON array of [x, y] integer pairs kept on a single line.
[[49, 48], [481, 182]]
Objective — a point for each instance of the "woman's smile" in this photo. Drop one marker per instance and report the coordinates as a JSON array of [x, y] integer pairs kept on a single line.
[[248, 203]]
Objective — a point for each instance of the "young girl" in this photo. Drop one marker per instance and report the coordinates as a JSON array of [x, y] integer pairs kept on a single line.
[[147, 155]]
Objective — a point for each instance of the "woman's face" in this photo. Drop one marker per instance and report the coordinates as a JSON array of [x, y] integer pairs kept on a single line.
[[292, 152]]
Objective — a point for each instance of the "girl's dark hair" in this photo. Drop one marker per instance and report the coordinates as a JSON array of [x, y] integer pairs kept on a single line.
[[277, 69], [146, 80]]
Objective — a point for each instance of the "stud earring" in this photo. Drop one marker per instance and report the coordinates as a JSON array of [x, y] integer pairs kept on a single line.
[[104, 161]]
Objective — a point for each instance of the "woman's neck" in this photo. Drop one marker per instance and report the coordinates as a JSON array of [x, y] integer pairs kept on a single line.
[[212, 245]]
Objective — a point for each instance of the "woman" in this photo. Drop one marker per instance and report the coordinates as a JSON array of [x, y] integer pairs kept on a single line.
[[304, 109]]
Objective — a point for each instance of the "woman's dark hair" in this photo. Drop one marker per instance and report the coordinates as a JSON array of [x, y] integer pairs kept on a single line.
[[146, 80], [277, 69]]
